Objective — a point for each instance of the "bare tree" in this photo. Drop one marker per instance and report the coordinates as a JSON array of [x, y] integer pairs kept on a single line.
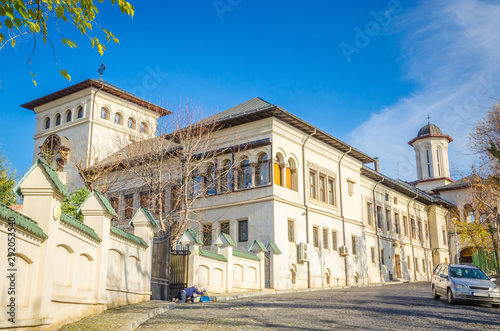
[[183, 160]]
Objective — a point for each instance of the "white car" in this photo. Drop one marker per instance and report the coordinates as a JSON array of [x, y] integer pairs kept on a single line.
[[464, 283]]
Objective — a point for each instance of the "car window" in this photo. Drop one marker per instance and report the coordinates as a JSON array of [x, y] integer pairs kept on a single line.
[[437, 268], [472, 273], [445, 270]]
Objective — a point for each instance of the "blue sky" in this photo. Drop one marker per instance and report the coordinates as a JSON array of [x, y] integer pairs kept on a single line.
[[371, 89]]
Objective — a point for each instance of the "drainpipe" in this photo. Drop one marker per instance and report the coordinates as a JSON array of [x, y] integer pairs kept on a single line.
[[411, 236], [304, 186], [376, 228], [341, 205], [92, 125]]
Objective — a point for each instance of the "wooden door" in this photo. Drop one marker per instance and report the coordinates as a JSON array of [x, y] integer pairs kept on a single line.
[[397, 259]]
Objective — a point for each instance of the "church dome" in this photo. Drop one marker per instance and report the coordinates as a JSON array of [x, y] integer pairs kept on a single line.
[[429, 130]]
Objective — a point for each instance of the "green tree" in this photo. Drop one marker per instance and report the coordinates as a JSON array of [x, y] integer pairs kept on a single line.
[[7, 182], [71, 203], [38, 18]]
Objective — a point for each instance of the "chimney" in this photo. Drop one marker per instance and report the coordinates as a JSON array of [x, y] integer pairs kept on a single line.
[[377, 169]]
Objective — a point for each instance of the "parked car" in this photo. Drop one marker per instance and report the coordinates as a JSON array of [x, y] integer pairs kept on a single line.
[[464, 283]]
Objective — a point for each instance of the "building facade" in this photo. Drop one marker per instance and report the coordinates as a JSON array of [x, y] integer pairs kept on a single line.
[[302, 192]]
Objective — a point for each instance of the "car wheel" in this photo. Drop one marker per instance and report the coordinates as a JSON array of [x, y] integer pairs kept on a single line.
[[434, 294], [451, 301], [495, 306]]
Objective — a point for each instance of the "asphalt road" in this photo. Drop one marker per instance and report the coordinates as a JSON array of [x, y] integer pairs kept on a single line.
[[393, 307]]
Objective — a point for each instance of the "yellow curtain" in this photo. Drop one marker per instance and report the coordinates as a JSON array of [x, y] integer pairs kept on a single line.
[[289, 178], [277, 174]]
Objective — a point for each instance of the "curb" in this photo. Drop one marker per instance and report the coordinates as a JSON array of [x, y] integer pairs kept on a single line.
[[235, 296], [144, 317]]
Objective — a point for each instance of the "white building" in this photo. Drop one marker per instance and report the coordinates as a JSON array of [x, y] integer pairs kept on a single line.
[[333, 220]]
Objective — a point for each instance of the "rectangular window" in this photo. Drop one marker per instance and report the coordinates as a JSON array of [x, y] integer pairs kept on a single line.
[[420, 232], [129, 206], [291, 231], [354, 245], [369, 213], [312, 184], [423, 265], [396, 222], [382, 257], [175, 198], [322, 188], [334, 240], [144, 199], [331, 191], [316, 236], [416, 264], [388, 216], [409, 263], [59, 165], [224, 227], [325, 238], [413, 229], [373, 254], [426, 231], [444, 236], [379, 217], [405, 224], [114, 204], [207, 234], [243, 231]]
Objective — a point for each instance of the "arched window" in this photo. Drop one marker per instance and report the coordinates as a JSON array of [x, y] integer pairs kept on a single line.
[[226, 178], [131, 123], [291, 175], [428, 163], [47, 123], [80, 111], [278, 175], [262, 170], [144, 128], [104, 113], [244, 174], [210, 179], [438, 161], [58, 119], [118, 119], [68, 116], [198, 182]]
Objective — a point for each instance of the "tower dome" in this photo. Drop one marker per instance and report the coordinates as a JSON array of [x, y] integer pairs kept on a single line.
[[429, 130]]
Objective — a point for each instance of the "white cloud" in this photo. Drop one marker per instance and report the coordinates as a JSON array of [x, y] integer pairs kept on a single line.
[[451, 50]]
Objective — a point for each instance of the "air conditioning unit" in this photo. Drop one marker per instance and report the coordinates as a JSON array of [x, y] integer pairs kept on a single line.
[[343, 250], [302, 253]]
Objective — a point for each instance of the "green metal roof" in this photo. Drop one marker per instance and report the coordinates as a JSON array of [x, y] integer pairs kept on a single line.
[[228, 238], [73, 222], [148, 215], [51, 173], [106, 203], [195, 236], [259, 244], [212, 255], [274, 247], [126, 235], [24, 223], [245, 255]]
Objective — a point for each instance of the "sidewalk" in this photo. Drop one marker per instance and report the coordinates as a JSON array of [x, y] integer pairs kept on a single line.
[[127, 318], [124, 318]]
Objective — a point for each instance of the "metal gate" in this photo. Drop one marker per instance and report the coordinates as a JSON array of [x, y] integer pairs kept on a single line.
[[267, 270], [179, 259], [160, 268]]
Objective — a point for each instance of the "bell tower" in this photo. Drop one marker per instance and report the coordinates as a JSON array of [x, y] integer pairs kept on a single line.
[[431, 154]]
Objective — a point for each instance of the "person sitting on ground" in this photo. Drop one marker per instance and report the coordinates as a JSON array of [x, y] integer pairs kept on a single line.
[[188, 292]]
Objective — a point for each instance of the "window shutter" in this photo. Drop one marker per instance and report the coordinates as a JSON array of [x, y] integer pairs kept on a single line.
[[289, 178], [277, 174]]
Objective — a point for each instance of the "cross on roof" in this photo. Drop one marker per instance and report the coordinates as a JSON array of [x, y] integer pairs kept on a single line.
[[428, 119]]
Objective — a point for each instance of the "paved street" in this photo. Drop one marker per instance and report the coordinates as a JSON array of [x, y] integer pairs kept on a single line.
[[407, 306]]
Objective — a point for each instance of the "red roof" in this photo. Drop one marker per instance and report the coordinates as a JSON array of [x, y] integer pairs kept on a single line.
[[18, 208]]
